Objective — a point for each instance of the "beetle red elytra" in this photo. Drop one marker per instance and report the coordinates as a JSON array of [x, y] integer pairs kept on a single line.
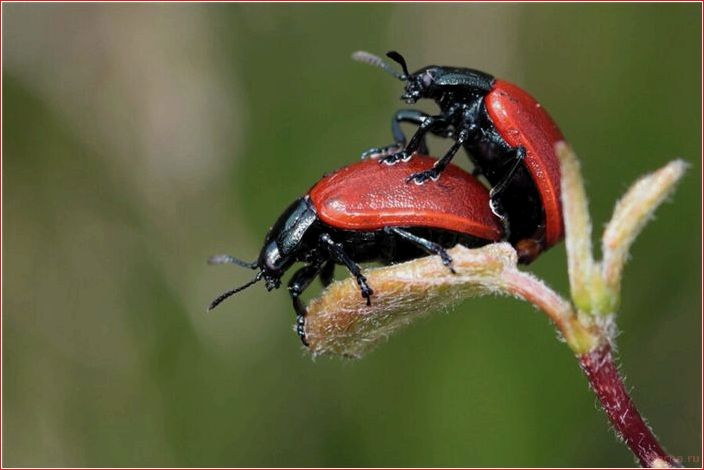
[[363, 213], [508, 135]]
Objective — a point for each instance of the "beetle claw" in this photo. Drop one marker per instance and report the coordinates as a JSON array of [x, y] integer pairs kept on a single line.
[[423, 176], [497, 209], [447, 261], [367, 291], [301, 329], [382, 153], [393, 158]]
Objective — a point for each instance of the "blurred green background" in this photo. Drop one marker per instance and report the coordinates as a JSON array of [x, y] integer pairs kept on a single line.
[[140, 139]]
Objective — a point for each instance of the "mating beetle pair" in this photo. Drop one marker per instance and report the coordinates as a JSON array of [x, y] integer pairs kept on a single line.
[[372, 211]]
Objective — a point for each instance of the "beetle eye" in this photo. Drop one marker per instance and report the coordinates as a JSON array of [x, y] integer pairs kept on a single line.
[[427, 79]]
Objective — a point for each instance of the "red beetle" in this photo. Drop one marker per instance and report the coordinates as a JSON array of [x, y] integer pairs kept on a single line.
[[509, 136], [364, 213]]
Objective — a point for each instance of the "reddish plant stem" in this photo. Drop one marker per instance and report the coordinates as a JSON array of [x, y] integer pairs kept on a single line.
[[606, 382]]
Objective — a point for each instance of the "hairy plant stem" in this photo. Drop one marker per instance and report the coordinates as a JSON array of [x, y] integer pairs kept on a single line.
[[607, 384], [591, 342]]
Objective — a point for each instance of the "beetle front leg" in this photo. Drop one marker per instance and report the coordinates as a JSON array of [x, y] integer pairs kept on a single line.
[[440, 165], [436, 124], [338, 254], [438, 127], [299, 282], [411, 116]]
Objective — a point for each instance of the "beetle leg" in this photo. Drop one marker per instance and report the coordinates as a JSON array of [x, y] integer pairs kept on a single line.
[[498, 209], [500, 187], [411, 116], [430, 247], [435, 124], [299, 282], [327, 273], [440, 165], [377, 152], [338, 254]]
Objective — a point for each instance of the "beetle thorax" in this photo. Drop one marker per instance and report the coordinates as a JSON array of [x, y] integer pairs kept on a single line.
[[286, 241]]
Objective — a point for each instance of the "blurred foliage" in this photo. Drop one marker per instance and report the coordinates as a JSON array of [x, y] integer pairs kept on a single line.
[[139, 139]]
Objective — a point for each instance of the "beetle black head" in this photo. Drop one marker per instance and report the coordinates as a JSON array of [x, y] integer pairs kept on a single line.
[[432, 82], [418, 85], [421, 85], [282, 247]]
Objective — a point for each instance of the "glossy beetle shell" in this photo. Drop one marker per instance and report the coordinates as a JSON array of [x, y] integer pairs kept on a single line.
[[522, 121], [370, 196]]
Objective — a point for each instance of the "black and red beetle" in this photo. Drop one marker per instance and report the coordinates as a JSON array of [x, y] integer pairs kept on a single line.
[[507, 133], [363, 213]]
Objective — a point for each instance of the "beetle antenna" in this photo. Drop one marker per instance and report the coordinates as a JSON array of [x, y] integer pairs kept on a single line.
[[232, 292], [397, 57], [371, 59], [227, 259]]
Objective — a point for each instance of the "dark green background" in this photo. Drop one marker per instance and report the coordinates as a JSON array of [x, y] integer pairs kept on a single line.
[[139, 139]]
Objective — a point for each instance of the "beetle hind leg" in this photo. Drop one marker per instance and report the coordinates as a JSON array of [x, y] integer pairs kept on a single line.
[[424, 244]]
